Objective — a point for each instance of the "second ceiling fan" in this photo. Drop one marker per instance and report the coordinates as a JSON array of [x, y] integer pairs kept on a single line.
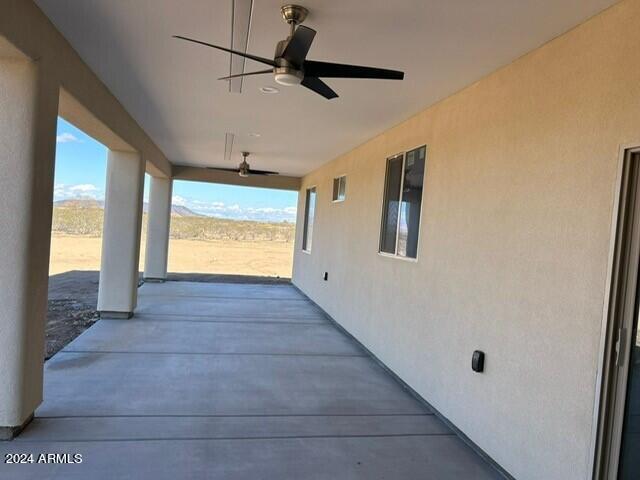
[[244, 169], [290, 65]]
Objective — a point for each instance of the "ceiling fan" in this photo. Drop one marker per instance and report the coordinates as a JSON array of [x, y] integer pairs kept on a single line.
[[290, 65], [244, 169]]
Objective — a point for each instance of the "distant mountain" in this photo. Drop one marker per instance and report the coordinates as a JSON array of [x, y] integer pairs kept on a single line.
[[79, 203], [176, 210], [180, 211]]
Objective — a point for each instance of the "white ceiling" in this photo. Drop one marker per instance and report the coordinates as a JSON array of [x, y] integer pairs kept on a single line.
[[170, 87]]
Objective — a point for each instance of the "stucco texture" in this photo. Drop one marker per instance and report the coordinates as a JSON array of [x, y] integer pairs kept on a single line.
[[513, 250]]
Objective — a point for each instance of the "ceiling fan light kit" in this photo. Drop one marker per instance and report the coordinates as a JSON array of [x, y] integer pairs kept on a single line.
[[287, 76], [290, 66]]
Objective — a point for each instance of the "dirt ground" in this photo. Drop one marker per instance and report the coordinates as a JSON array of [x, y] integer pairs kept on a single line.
[[73, 297], [74, 275], [274, 259]]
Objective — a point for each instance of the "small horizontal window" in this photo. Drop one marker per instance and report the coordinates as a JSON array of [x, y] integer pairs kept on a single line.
[[339, 188]]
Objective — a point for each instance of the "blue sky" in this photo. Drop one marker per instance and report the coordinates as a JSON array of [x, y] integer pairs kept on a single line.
[[81, 164]]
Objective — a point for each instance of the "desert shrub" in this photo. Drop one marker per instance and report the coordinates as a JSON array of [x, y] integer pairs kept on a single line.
[[209, 228], [88, 222], [78, 221]]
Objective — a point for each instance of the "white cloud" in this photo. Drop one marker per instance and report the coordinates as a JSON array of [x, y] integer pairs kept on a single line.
[[58, 189], [179, 201], [66, 137], [81, 190]]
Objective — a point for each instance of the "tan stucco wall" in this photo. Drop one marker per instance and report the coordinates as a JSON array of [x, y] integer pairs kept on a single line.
[[84, 99], [514, 243], [28, 108]]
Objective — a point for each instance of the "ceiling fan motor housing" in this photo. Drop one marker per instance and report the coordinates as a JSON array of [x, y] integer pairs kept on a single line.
[[285, 72]]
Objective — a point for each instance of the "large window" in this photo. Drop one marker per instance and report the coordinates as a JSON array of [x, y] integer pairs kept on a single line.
[[309, 213], [402, 204]]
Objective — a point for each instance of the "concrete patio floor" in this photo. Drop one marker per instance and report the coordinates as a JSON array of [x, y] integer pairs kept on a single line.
[[231, 381]]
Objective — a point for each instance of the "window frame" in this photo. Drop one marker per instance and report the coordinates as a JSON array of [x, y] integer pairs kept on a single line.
[[338, 177], [382, 205], [305, 218]]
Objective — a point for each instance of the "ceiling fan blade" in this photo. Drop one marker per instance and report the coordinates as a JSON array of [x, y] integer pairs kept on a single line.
[[340, 70], [246, 74], [222, 169], [299, 45], [255, 58], [318, 86], [261, 172]]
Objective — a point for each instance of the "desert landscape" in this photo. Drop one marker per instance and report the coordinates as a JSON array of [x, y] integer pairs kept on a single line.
[[198, 244]]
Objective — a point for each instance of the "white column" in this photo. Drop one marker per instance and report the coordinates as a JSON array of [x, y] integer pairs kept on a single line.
[[159, 218], [118, 288], [28, 111]]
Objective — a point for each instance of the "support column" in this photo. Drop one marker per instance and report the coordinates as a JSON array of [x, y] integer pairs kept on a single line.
[[159, 218], [118, 288], [28, 116]]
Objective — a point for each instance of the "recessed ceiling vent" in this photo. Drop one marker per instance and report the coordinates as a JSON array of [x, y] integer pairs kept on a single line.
[[241, 12]]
